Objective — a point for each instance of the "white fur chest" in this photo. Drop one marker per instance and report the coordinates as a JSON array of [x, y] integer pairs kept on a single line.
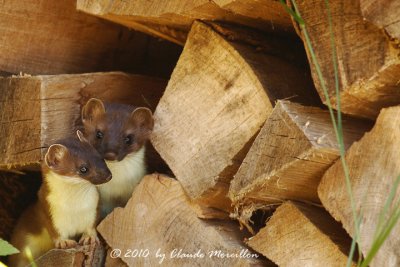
[[126, 174], [73, 204]]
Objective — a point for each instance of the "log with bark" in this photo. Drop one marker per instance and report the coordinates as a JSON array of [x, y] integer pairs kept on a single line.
[[158, 225], [37, 110], [374, 166], [171, 20], [52, 37], [294, 148], [368, 62], [218, 97], [302, 235]]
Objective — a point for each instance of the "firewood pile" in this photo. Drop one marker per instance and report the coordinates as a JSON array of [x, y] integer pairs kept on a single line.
[[244, 164]]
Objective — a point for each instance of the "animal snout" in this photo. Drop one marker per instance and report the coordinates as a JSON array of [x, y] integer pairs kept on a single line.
[[110, 155], [108, 177]]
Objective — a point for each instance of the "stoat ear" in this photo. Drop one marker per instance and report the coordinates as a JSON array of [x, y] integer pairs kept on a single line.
[[55, 155], [143, 118], [81, 137], [93, 108]]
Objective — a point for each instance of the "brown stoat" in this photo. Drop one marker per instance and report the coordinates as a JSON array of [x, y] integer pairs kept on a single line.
[[67, 200], [119, 133]]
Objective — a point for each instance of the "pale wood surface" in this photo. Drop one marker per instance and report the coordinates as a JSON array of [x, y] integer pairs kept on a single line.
[[159, 217], [294, 148], [302, 235], [368, 63], [171, 20], [38, 110], [374, 166], [218, 97], [384, 14], [20, 126], [52, 37]]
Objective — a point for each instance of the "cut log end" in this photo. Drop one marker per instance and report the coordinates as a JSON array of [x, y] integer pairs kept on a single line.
[[374, 166], [294, 148], [302, 235], [204, 146], [160, 207]]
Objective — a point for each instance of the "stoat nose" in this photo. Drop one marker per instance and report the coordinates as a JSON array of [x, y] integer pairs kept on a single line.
[[110, 156]]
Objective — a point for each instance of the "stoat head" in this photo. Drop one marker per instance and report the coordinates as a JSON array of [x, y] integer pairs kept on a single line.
[[116, 130], [76, 158]]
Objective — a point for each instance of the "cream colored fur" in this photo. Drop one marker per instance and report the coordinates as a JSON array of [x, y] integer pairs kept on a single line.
[[126, 174], [73, 205]]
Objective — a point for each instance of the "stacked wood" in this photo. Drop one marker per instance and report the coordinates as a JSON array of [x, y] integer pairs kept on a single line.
[[384, 14], [368, 62], [218, 97], [302, 235], [37, 110], [294, 148], [52, 37], [158, 226], [373, 168], [171, 20]]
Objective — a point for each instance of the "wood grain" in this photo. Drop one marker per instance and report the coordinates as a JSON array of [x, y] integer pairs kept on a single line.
[[218, 97], [92, 255], [368, 63], [39, 110], [52, 37], [159, 217], [302, 235], [294, 148], [171, 20], [384, 14], [373, 168]]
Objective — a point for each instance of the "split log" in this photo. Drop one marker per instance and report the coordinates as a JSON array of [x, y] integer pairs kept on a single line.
[[384, 14], [302, 235], [172, 20], [74, 257], [38, 110], [368, 63], [61, 257], [53, 38], [112, 261], [158, 221], [294, 148], [374, 166], [218, 97]]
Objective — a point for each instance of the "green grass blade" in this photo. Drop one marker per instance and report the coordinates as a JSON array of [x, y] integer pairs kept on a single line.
[[6, 248], [338, 134], [376, 245], [385, 210], [295, 16], [384, 228]]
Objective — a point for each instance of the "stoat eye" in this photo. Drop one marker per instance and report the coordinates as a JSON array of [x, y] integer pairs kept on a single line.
[[128, 139], [83, 169], [99, 134]]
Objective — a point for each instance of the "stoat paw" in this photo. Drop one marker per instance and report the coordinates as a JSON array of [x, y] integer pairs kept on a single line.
[[89, 240], [66, 243]]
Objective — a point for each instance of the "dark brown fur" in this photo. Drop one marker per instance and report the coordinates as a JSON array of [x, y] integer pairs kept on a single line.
[[116, 122]]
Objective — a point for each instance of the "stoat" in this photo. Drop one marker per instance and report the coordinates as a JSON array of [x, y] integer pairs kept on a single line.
[[119, 133], [66, 210]]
